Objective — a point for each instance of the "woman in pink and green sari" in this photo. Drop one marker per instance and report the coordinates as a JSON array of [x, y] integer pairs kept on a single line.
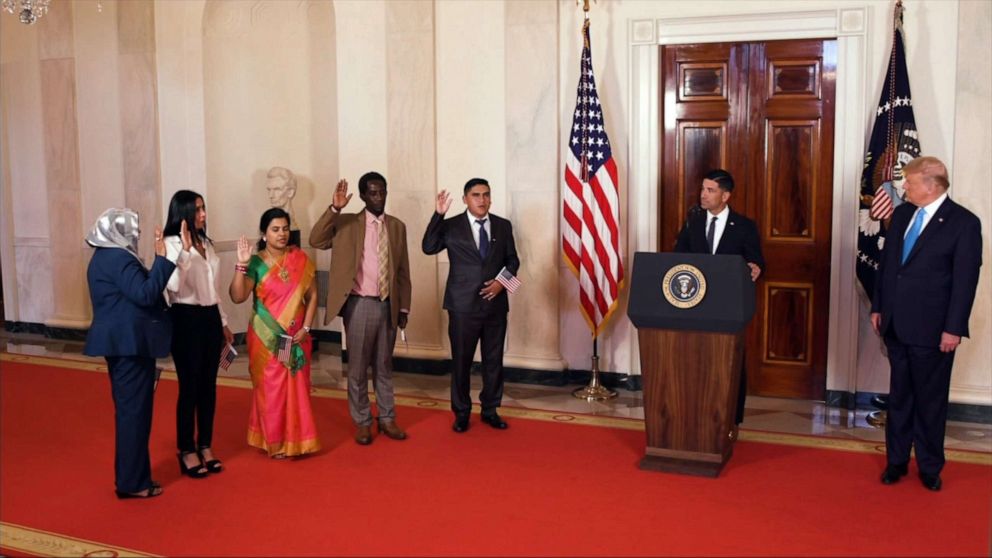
[[282, 278]]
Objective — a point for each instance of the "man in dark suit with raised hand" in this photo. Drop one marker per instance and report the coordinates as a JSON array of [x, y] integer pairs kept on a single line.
[[714, 228], [479, 246], [924, 291]]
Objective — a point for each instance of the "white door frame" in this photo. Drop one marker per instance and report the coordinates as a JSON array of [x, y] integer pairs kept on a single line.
[[849, 26]]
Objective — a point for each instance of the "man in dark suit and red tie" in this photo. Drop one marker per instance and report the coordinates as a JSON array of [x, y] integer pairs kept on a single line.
[[713, 228], [480, 245], [924, 291]]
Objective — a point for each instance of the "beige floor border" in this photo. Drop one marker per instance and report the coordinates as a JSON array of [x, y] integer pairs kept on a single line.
[[820, 442], [44, 543]]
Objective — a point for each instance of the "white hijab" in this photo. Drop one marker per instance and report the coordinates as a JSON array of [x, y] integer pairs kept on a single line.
[[116, 228]]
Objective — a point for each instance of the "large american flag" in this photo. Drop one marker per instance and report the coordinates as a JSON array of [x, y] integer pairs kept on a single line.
[[591, 205]]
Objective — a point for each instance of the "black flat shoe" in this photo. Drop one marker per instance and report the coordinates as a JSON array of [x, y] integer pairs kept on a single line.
[[893, 473], [153, 491], [495, 421], [460, 425], [196, 472], [213, 466], [932, 482]]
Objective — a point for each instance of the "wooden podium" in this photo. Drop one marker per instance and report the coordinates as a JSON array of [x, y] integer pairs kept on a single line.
[[690, 311]]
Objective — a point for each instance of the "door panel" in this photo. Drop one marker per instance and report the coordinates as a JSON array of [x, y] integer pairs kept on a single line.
[[763, 111]]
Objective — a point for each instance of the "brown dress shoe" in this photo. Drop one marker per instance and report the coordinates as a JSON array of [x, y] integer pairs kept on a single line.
[[364, 435], [390, 429]]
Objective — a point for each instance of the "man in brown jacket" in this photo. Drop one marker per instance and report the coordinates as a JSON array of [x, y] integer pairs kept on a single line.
[[369, 287]]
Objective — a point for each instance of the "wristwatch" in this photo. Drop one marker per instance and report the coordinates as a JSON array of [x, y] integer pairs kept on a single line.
[[306, 329]]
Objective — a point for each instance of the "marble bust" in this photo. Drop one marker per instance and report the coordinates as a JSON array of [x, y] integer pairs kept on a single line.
[[280, 183]]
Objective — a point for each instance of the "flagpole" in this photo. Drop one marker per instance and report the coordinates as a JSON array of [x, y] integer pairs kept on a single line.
[[594, 391], [879, 417]]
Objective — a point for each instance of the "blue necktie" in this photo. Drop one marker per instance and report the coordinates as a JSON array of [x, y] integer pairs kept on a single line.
[[913, 234], [483, 238]]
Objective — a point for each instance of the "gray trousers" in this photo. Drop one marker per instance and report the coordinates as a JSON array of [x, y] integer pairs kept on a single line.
[[371, 337]]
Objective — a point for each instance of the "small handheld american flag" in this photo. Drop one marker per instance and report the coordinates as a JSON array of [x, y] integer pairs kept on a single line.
[[285, 343], [227, 356], [508, 280]]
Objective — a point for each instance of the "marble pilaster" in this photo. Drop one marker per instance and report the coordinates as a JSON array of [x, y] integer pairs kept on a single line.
[[411, 159], [531, 94], [70, 303]]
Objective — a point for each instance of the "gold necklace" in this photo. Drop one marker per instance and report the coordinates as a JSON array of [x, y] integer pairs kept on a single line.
[[283, 273]]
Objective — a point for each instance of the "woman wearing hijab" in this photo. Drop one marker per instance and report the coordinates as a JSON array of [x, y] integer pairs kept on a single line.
[[130, 330]]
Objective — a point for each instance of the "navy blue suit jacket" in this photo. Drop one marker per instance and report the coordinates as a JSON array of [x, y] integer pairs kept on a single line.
[[469, 271], [934, 290], [740, 237], [129, 317]]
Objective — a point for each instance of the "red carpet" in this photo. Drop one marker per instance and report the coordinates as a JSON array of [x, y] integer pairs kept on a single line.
[[539, 488]]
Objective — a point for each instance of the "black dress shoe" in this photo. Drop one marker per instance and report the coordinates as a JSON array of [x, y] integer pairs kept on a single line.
[[893, 473], [460, 425], [932, 482], [494, 420]]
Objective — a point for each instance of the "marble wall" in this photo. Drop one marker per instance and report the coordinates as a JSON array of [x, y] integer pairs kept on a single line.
[[126, 104]]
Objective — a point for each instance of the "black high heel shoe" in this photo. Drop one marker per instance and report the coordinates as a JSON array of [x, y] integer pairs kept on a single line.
[[213, 466], [196, 472]]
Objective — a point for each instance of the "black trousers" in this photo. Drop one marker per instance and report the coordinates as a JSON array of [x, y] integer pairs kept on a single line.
[[465, 331], [132, 385], [919, 387], [197, 341]]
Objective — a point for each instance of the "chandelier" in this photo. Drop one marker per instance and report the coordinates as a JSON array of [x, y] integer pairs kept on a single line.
[[29, 11]]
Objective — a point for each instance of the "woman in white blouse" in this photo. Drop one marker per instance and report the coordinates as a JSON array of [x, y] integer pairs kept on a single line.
[[199, 332]]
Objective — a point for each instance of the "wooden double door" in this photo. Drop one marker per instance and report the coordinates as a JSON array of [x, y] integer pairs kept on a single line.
[[765, 112]]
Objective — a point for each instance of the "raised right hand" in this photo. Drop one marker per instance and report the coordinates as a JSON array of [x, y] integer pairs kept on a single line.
[[341, 195], [244, 250], [443, 202], [159, 242], [184, 236]]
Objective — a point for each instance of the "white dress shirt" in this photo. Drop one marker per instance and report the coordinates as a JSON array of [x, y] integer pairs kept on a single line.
[[721, 225], [195, 279], [475, 226], [931, 210]]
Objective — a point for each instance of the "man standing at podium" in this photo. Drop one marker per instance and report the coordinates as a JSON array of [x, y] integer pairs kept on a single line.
[[927, 276], [713, 228]]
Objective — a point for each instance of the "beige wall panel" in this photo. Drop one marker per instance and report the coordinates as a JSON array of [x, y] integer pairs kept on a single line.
[[34, 283], [179, 67], [257, 70], [55, 31], [322, 49], [136, 26], [531, 62], [71, 308], [101, 166], [410, 169], [971, 381], [139, 133], [20, 93]]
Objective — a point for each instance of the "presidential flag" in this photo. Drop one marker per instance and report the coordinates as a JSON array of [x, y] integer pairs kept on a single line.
[[894, 142], [591, 203]]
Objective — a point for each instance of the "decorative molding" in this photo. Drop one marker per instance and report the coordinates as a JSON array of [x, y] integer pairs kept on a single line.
[[850, 27], [853, 21], [642, 32], [31, 242], [767, 26]]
